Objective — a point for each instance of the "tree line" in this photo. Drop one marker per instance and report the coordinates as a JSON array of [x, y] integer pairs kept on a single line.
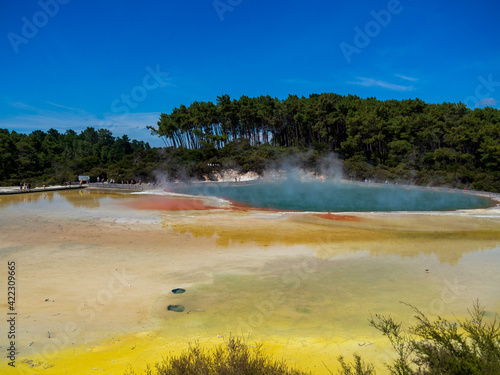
[[55, 157], [426, 143]]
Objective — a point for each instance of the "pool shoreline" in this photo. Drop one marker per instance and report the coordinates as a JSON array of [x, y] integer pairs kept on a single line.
[[416, 198], [238, 206]]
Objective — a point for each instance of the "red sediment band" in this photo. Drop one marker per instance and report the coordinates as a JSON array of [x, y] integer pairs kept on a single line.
[[336, 217]]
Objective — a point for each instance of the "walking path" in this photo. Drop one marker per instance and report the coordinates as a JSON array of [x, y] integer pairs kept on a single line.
[[130, 187]]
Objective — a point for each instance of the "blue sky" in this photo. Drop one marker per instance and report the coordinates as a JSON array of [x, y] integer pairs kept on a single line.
[[70, 64]]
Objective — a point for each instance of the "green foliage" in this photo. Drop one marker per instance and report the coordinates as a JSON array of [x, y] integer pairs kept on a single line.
[[467, 347], [233, 357], [53, 158], [399, 340], [356, 368]]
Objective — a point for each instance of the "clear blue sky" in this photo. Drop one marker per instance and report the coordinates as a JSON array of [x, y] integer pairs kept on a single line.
[[69, 64]]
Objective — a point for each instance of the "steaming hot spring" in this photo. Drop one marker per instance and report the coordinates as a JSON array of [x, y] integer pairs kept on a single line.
[[313, 195]]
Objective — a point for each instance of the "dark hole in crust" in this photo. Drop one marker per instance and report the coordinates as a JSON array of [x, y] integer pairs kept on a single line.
[[176, 308]]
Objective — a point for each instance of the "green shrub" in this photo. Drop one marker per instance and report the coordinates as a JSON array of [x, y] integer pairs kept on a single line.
[[232, 357], [357, 368], [466, 347]]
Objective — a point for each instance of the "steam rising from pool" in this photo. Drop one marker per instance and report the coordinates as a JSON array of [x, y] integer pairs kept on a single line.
[[334, 196]]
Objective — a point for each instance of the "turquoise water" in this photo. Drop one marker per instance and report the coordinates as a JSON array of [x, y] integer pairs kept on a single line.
[[332, 196]]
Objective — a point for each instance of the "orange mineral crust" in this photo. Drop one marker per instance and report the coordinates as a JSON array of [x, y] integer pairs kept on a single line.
[[165, 203], [181, 203]]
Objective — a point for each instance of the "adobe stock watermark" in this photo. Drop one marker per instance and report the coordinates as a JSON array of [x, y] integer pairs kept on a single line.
[[266, 307], [30, 27], [223, 6], [372, 29], [152, 80], [449, 293], [93, 305], [482, 93]]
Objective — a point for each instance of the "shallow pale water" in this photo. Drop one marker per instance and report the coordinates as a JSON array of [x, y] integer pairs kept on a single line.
[[303, 285], [317, 195]]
